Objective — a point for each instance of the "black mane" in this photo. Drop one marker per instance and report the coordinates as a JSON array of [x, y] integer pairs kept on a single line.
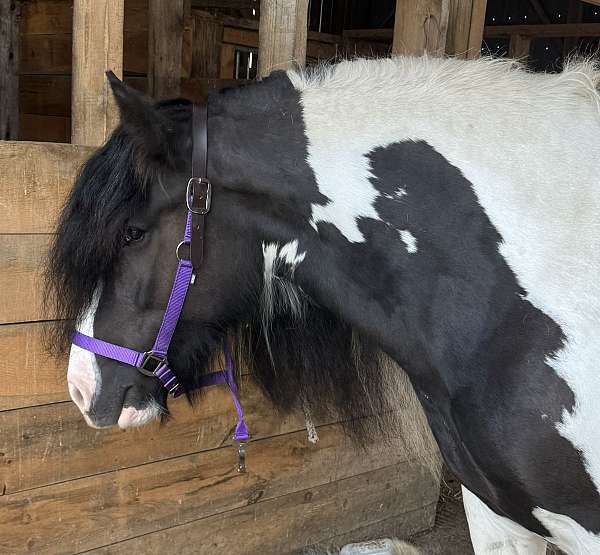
[[85, 248]]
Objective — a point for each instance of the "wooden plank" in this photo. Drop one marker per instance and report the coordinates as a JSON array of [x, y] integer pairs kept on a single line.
[[240, 37], [51, 54], [420, 27], [384, 35], [388, 501], [594, 2], [283, 32], [97, 48], [465, 28], [29, 376], [99, 510], [46, 54], [35, 179], [50, 444], [477, 26], [548, 31], [519, 47], [9, 69], [47, 17], [227, 62], [50, 95], [227, 4], [207, 46], [21, 292], [165, 39], [50, 129]]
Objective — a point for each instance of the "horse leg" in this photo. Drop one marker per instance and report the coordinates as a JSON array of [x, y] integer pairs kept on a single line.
[[497, 535]]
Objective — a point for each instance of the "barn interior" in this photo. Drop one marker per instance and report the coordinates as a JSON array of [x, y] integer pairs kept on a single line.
[[65, 488]]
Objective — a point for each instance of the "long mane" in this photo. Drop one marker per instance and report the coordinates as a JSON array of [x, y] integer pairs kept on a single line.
[[87, 242]]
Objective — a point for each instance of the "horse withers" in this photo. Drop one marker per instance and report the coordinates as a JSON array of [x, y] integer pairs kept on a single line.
[[439, 213]]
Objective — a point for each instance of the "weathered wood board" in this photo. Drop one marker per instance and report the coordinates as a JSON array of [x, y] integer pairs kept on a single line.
[[35, 179], [360, 507], [29, 376], [96, 511]]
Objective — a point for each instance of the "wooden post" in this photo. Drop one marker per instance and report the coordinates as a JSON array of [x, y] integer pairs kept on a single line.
[[165, 39], [420, 27], [97, 47], [9, 69], [282, 34], [465, 28], [519, 47], [208, 35]]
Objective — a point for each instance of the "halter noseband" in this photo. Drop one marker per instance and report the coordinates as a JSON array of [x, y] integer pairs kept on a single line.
[[154, 362]]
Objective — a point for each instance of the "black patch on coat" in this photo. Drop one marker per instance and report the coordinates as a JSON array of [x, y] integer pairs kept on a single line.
[[469, 325]]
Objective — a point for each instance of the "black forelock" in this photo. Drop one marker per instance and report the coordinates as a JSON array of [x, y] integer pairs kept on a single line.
[[88, 239]]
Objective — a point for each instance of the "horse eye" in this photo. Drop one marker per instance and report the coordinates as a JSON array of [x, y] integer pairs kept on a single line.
[[133, 234]]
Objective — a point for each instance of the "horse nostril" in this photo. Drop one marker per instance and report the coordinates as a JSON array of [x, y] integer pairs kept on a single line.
[[77, 396]]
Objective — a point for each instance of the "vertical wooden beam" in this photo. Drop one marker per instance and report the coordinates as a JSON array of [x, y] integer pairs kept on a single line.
[[519, 47], [208, 35], [9, 69], [420, 27], [97, 47], [165, 39], [282, 34], [465, 28]]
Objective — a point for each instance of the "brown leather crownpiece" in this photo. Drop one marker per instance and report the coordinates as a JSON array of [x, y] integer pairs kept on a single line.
[[201, 187]]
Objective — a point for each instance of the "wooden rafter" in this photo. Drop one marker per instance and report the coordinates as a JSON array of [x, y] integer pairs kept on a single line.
[[548, 31]]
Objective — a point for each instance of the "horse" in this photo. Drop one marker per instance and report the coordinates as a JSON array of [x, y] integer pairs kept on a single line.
[[439, 213]]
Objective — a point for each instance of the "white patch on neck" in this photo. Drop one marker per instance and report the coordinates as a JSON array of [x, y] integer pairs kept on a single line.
[[83, 374], [567, 534], [280, 294], [409, 240]]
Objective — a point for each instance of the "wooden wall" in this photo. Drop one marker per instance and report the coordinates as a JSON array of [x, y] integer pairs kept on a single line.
[[67, 488]]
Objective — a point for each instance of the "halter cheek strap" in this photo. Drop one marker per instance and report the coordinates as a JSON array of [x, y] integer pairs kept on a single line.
[[154, 362]]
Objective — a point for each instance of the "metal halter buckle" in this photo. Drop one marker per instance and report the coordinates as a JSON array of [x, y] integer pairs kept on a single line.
[[190, 195], [151, 363]]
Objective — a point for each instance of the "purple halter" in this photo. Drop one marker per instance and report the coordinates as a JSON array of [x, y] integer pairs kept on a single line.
[[154, 362]]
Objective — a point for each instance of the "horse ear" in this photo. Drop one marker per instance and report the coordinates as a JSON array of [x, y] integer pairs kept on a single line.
[[146, 126]]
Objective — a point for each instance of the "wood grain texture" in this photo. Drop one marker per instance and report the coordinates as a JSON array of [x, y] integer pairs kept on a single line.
[[52, 443], [29, 376], [208, 34], [97, 48], [388, 501], [99, 510], [421, 27], [283, 30], [35, 179], [21, 292], [165, 39], [519, 47], [43, 128], [465, 28], [547, 31], [9, 69]]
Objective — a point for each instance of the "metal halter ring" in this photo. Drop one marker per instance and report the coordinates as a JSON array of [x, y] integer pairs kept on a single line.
[[191, 192], [184, 256]]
